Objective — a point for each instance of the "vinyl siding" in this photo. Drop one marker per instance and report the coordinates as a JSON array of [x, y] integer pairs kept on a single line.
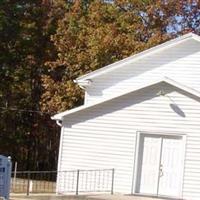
[[104, 136], [181, 63]]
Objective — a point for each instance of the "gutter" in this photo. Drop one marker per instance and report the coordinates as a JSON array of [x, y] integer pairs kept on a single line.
[[83, 84]]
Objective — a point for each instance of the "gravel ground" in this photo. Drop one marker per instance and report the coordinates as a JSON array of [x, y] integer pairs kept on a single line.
[[85, 197]]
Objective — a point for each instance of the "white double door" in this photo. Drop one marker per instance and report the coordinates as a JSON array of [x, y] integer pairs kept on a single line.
[[160, 165]]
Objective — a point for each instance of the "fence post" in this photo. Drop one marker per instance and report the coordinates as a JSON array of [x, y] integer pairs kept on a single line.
[[15, 174], [28, 184], [77, 181], [112, 184]]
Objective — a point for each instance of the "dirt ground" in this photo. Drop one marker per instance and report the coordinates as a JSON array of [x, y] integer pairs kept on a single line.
[[81, 197]]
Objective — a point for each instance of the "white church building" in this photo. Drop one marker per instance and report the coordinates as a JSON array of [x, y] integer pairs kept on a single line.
[[141, 116]]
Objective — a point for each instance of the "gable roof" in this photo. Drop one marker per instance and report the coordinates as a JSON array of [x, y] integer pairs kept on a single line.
[[164, 79], [83, 80]]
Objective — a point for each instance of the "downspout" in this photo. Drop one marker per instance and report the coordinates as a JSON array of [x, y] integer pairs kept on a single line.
[[59, 123]]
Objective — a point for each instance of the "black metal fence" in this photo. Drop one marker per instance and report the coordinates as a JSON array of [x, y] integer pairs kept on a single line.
[[75, 181]]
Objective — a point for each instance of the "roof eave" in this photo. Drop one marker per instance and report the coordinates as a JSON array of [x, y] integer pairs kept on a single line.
[[136, 57], [163, 79]]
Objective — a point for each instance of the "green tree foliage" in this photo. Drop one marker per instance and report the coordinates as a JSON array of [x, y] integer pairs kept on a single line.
[[46, 44]]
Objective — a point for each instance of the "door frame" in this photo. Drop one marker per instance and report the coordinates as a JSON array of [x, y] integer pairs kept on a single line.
[[139, 135]]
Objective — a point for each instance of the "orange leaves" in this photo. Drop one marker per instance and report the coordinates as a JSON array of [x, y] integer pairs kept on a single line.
[[93, 34], [87, 40]]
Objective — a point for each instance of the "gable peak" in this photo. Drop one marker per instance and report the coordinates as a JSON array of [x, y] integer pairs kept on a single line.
[[173, 42]]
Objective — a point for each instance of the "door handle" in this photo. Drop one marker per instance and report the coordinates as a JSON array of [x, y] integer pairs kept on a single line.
[[161, 171]]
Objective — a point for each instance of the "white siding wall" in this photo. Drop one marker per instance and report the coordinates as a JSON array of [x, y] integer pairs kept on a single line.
[[181, 63], [104, 136]]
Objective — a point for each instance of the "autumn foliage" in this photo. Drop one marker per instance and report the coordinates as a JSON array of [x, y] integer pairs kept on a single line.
[[46, 44]]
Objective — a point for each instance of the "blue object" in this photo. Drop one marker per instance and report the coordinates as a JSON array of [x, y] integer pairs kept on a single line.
[[5, 176]]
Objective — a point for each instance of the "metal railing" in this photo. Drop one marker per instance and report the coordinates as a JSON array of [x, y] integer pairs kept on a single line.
[[75, 181]]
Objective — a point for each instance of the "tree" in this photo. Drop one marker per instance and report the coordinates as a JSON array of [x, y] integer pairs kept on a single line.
[[46, 44], [91, 37], [25, 46], [188, 17]]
